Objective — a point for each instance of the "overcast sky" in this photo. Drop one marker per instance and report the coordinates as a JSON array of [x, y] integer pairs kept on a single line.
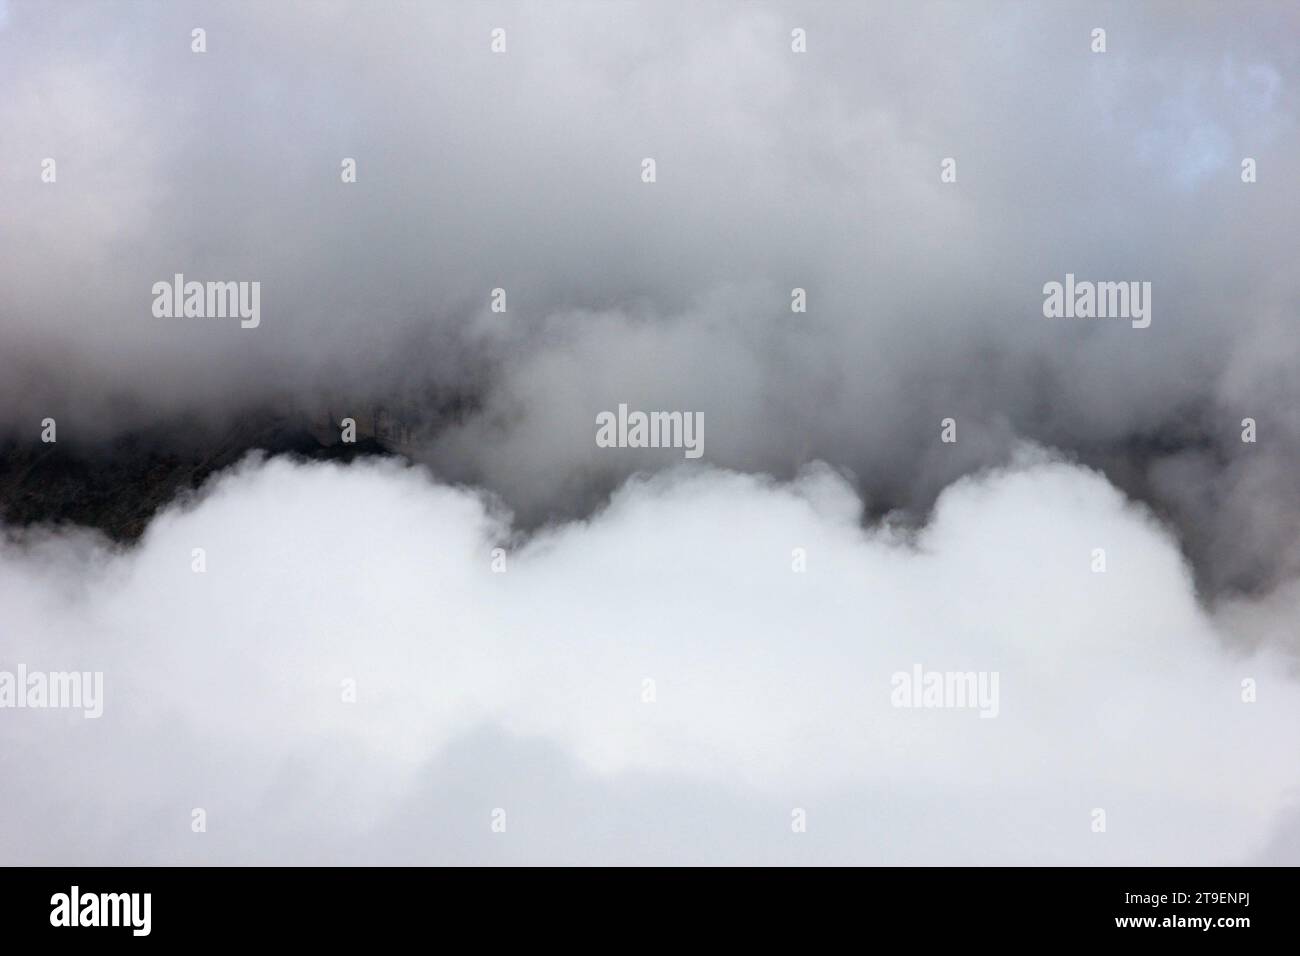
[[775, 170]]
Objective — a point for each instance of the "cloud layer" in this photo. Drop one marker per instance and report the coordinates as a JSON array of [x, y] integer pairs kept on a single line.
[[775, 170], [524, 689]]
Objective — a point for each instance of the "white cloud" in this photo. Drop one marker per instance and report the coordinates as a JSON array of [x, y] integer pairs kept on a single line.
[[523, 689]]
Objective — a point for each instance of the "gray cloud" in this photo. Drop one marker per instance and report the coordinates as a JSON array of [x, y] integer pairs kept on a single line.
[[775, 170]]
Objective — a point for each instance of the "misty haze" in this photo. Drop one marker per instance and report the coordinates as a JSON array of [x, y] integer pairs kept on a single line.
[[355, 362]]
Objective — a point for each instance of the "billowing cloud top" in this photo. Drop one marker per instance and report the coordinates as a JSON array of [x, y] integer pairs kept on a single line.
[[656, 685], [520, 169]]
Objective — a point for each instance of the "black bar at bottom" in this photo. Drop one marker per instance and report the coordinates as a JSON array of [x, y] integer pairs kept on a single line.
[[336, 906]]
